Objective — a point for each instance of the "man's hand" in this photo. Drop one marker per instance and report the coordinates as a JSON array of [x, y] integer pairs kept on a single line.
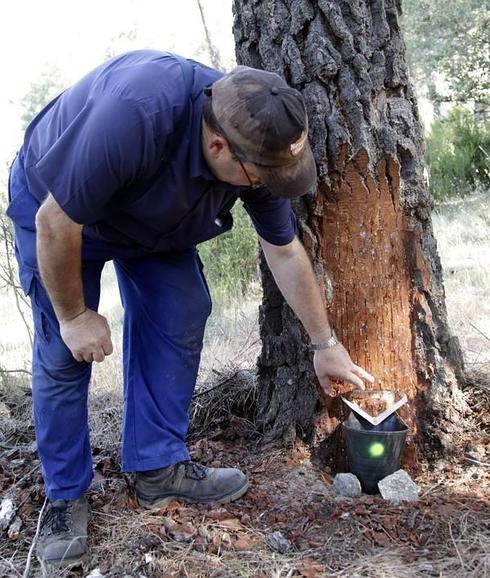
[[294, 276], [335, 362], [59, 249], [87, 336]]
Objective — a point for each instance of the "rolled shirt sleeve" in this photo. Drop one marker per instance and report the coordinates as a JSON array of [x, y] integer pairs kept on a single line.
[[272, 216], [103, 150]]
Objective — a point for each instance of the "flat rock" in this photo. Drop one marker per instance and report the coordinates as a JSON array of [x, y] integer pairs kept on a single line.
[[7, 513], [347, 485], [96, 573], [399, 487], [14, 529], [279, 543]]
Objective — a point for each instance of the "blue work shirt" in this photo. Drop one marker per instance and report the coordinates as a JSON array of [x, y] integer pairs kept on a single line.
[[120, 151]]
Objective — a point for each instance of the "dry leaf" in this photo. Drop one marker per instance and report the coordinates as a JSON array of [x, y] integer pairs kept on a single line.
[[182, 532], [243, 543], [381, 539], [231, 524], [220, 514], [309, 569]]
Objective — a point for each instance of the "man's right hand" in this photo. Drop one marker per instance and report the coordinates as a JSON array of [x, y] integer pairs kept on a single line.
[[87, 336], [59, 255]]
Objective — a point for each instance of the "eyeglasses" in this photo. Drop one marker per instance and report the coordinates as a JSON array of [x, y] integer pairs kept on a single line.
[[252, 184]]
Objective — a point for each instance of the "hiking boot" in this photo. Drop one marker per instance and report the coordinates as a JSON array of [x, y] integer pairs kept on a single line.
[[63, 535], [190, 482]]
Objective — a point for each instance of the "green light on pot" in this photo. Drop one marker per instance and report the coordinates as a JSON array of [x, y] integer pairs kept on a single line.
[[376, 449]]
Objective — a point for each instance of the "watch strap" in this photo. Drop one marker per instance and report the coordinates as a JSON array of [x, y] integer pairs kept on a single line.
[[331, 342]]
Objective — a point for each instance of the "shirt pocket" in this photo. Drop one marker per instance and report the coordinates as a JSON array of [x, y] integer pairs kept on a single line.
[[201, 224], [33, 289]]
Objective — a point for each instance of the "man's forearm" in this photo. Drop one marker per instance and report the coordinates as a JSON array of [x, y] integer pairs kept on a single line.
[[295, 278], [59, 241]]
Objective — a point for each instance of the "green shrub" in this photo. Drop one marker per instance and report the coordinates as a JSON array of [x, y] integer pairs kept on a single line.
[[457, 156], [231, 260]]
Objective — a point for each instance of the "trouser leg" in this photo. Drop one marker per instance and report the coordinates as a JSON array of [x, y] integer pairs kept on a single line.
[[166, 305], [59, 392]]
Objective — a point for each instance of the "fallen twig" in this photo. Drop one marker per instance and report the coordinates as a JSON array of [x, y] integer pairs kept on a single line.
[[16, 371], [456, 546], [479, 331], [473, 461], [225, 381], [30, 472], [9, 563], [34, 540]]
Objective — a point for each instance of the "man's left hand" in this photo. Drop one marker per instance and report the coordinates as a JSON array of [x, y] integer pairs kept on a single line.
[[335, 362]]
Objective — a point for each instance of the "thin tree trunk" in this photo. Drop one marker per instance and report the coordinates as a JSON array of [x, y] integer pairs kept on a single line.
[[368, 230], [213, 51]]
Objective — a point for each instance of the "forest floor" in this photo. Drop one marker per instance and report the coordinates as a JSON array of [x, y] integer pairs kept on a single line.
[[290, 522]]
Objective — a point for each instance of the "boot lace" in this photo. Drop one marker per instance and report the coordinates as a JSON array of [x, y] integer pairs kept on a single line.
[[194, 471], [57, 518]]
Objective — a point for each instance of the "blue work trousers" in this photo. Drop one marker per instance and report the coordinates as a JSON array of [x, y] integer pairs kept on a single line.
[[166, 304]]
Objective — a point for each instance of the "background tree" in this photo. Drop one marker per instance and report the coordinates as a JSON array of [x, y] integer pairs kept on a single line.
[[368, 230], [448, 50], [450, 41], [212, 50], [45, 88]]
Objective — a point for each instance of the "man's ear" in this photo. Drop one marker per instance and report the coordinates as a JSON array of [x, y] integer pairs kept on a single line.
[[217, 145]]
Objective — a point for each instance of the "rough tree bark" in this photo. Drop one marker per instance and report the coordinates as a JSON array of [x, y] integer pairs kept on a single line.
[[368, 230]]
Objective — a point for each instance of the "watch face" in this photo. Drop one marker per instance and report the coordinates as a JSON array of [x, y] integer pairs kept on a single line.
[[327, 344]]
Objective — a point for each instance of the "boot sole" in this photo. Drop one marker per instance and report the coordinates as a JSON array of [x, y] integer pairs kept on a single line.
[[63, 563], [150, 504]]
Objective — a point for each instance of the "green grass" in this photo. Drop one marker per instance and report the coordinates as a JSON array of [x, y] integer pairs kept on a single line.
[[457, 156], [231, 260]]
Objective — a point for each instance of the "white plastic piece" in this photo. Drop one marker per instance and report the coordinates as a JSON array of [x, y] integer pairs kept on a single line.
[[380, 417]]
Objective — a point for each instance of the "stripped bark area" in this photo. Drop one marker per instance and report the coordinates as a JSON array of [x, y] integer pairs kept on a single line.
[[368, 230]]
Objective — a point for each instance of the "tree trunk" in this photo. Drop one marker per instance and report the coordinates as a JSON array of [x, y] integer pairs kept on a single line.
[[368, 230], [213, 51]]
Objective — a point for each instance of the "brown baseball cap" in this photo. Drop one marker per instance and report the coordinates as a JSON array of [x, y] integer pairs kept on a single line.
[[265, 122]]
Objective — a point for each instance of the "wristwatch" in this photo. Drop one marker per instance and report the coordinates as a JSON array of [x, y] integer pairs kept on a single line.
[[325, 344]]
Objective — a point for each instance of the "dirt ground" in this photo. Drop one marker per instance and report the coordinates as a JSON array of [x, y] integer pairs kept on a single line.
[[290, 523]]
